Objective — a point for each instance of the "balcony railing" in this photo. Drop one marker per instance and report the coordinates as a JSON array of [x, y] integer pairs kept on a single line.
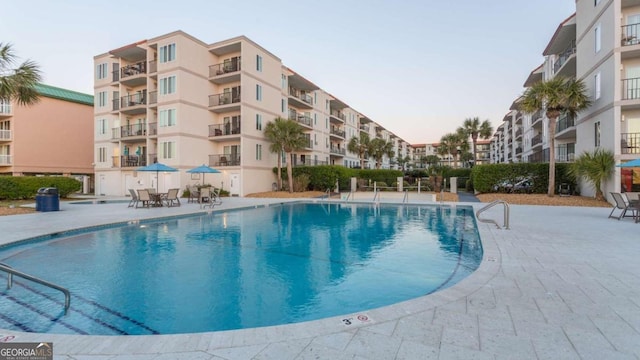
[[338, 114], [130, 130], [301, 95], [364, 128], [539, 156], [565, 122], [631, 89], [566, 152], [133, 69], [301, 118], [6, 160], [306, 160], [630, 143], [224, 129], [5, 135], [5, 108], [224, 99], [116, 104], [564, 56], [224, 160], [519, 132], [518, 150], [337, 132], [131, 161], [223, 68], [629, 34], [153, 97], [133, 100], [153, 128], [536, 140], [536, 116], [338, 151]]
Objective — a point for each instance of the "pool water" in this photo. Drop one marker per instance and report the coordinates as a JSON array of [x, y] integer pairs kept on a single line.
[[239, 269]]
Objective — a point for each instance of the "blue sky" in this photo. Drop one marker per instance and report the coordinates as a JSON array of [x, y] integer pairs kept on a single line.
[[419, 68]]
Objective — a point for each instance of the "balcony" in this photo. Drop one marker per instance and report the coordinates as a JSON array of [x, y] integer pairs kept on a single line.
[[130, 132], [536, 119], [536, 141], [305, 160], [153, 68], [153, 129], [6, 160], [631, 91], [134, 74], [300, 99], [335, 151], [565, 64], [335, 132], [539, 156], [153, 99], [219, 160], [134, 104], [519, 133], [364, 128], [226, 72], [224, 132], [5, 109], [629, 35], [225, 102], [566, 127], [630, 143], [6, 135], [302, 119], [125, 161], [337, 116]]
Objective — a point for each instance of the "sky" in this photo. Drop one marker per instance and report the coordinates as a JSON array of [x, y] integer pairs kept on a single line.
[[417, 67]]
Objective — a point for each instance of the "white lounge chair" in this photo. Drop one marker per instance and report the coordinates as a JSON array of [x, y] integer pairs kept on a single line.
[[172, 198]]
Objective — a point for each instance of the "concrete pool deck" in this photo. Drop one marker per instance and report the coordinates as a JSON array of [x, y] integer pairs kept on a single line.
[[562, 283]]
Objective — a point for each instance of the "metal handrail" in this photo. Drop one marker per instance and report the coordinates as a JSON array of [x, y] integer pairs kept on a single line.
[[328, 194], [348, 196], [406, 197], [376, 195], [494, 203], [11, 271]]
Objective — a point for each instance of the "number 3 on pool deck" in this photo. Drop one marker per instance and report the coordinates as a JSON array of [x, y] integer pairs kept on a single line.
[[347, 321]]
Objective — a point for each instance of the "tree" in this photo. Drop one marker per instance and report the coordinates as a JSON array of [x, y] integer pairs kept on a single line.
[[595, 167], [403, 161], [452, 143], [473, 128], [378, 148], [431, 160], [18, 84], [555, 96], [360, 146], [287, 136]]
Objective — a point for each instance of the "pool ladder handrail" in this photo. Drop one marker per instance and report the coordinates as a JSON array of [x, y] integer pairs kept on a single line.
[[492, 204], [405, 199], [11, 272], [376, 195]]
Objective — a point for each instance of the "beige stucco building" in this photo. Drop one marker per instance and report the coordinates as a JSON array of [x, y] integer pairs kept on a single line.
[[179, 101], [51, 137]]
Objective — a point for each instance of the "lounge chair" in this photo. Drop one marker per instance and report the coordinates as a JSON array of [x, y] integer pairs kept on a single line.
[[144, 198], [215, 197], [172, 198], [205, 197], [194, 194], [134, 198], [622, 203]]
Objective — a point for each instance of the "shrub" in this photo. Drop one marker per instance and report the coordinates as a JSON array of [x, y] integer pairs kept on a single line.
[[26, 187], [489, 177]]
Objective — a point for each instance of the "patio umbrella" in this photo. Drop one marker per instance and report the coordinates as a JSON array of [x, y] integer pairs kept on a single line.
[[157, 167], [632, 163], [203, 169]]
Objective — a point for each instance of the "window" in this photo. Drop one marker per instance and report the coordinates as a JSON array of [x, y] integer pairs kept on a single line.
[[259, 63], [283, 104], [168, 85], [167, 53], [168, 150], [168, 117], [258, 122], [597, 134], [258, 92], [315, 139], [597, 86], [258, 152], [102, 99], [598, 37], [315, 119], [101, 71], [326, 123], [102, 154], [596, 2], [102, 126], [326, 104], [284, 81]]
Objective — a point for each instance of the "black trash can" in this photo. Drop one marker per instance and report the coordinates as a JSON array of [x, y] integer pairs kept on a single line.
[[47, 199]]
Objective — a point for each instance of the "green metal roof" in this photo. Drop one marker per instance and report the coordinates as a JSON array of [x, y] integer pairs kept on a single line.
[[63, 94]]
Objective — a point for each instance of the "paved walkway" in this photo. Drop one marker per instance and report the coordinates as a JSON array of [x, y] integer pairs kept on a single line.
[[563, 283], [468, 197]]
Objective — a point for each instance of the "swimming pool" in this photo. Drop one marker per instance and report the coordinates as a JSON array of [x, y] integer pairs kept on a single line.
[[239, 269]]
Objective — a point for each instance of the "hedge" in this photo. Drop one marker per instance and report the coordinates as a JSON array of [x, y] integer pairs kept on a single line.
[[486, 176], [324, 177], [26, 187]]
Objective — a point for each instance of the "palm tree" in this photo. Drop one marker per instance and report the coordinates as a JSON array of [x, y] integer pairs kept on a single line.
[[288, 136], [453, 144], [360, 146], [18, 83], [431, 160], [378, 148], [555, 96], [474, 128], [595, 167]]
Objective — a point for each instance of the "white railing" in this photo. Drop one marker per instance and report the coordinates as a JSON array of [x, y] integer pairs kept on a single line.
[[5, 134], [5, 160], [5, 108]]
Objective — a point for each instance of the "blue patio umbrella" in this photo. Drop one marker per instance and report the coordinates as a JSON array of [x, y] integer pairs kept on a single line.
[[157, 167], [632, 163], [203, 169]]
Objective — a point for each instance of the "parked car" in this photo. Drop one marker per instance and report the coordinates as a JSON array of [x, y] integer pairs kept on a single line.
[[521, 185]]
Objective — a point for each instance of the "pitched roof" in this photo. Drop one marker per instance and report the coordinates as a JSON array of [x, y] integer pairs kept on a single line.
[[64, 94]]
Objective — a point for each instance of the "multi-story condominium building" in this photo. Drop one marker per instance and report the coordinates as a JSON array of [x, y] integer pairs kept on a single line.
[[177, 100], [420, 152], [483, 148], [51, 137], [608, 53]]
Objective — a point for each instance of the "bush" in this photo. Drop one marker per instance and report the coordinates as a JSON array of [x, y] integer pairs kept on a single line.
[[489, 177], [301, 183], [26, 187]]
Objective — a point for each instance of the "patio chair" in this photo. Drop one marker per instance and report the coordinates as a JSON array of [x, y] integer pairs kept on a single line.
[[144, 198], [215, 197], [623, 204], [172, 198], [205, 196], [194, 194], [134, 198]]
